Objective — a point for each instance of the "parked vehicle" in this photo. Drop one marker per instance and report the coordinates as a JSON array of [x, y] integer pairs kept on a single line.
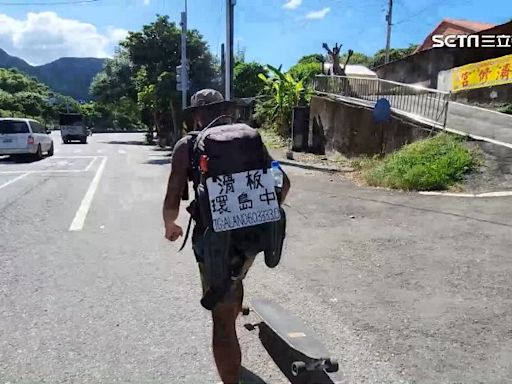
[[72, 127], [20, 137]]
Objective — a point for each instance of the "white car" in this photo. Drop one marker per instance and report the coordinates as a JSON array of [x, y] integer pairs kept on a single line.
[[24, 137]]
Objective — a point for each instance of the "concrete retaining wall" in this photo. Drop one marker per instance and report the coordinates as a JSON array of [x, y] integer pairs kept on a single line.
[[336, 125], [498, 95]]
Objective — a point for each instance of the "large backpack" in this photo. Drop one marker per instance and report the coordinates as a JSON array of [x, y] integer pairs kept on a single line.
[[233, 185]]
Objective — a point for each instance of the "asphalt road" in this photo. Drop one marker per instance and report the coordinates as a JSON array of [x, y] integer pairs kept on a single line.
[[402, 288], [480, 122]]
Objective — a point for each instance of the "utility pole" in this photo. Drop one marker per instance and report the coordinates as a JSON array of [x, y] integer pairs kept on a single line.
[[230, 12], [184, 62], [223, 64], [388, 39]]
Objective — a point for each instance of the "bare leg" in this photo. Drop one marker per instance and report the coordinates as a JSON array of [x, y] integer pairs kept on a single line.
[[226, 349]]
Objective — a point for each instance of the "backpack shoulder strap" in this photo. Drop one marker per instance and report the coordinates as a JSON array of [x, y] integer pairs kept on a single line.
[[192, 167], [191, 142]]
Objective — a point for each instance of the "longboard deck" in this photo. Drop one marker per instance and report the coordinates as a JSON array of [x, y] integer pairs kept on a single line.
[[290, 329]]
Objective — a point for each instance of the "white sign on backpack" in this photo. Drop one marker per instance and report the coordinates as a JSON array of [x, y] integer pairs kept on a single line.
[[242, 200]]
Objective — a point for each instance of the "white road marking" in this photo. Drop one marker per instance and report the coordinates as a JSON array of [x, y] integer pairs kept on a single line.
[[90, 164], [73, 157], [78, 222], [14, 180], [43, 171], [77, 151], [58, 163], [454, 194], [495, 194], [447, 194], [121, 151], [99, 150], [479, 138]]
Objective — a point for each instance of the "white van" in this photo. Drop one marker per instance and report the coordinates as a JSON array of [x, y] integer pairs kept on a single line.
[[24, 137]]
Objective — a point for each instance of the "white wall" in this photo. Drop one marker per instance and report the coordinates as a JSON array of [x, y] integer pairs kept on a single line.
[[444, 81]]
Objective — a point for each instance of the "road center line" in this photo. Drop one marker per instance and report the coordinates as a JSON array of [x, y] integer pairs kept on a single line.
[[14, 180], [81, 214]]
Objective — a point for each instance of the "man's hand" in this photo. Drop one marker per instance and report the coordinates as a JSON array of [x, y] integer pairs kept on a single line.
[[173, 231]]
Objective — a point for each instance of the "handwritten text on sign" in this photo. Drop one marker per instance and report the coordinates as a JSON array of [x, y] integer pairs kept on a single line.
[[242, 200]]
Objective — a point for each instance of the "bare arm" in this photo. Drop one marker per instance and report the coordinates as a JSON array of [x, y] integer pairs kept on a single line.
[[175, 186]]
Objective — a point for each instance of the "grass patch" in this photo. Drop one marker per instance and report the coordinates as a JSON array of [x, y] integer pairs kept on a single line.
[[431, 164], [506, 109], [338, 158], [272, 139]]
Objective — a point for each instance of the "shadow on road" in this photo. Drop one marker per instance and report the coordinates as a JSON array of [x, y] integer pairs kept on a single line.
[[284, 356], [20, 159], [126, 142], [6, 159], [165, 161], [251, 378]]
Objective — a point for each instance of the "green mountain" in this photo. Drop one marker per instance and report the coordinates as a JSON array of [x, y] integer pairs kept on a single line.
[[70, 76]]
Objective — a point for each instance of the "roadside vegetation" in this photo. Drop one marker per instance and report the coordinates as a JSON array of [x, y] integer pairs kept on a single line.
[[24, 96], [137, 87], [435, 163], [272, 139], [506, 109], [139, 84], [282, 91]]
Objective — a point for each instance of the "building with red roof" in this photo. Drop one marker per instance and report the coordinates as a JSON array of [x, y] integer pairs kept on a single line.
[[453, 27]]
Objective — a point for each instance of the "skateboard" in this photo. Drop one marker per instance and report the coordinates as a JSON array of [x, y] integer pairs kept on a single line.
[[296, 335]]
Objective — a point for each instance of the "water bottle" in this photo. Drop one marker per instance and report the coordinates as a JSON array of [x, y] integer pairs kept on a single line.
[[278, 174]]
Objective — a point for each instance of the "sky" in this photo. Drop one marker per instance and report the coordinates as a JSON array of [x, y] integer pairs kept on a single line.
[[276, 32]]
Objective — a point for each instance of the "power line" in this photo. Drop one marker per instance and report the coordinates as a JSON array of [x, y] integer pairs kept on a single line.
[[414, 15], [428, 7], [46, 3]]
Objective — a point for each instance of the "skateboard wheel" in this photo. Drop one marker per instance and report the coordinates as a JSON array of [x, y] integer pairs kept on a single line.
[[332, 365], [298, 367], [246, 311]]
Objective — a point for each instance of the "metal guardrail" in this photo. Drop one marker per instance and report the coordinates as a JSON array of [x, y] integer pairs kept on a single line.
[[425, 103]]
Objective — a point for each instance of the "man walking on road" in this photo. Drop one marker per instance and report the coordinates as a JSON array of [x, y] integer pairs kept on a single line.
[[208, 108]]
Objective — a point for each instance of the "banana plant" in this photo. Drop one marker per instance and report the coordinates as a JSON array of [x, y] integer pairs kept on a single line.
[[283, 93]]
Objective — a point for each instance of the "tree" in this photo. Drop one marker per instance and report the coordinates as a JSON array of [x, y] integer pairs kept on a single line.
[[115, 81], [282, 93], [24, 96], [394, 54], [306, 71], [357, 58], [32, 103], [97, 115], [313, 58], [246, 82], [156, 50]]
